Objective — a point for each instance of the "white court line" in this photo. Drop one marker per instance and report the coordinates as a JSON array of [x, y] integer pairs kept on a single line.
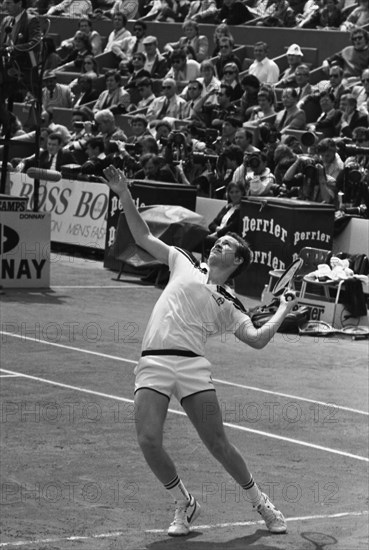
[[100, 286], [8, 375], [328, 405], [228, 424], [225, 382], [153, 531]]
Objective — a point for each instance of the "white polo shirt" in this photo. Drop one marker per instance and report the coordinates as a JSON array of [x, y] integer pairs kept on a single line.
[[189, 311]]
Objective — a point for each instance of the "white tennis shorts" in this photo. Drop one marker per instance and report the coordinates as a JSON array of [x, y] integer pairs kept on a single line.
[[174, 375]]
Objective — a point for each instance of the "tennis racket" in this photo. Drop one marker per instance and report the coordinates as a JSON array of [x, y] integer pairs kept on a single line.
[[285, 280]]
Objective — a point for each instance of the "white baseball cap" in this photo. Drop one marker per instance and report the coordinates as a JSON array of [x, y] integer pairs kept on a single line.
[[294, 49]]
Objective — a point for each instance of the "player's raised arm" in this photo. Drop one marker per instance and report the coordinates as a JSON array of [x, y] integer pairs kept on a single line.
[[118, 183], [259, 337]]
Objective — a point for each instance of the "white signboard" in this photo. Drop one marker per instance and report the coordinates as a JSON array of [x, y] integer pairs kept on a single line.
[[77, 208], [25, 249]]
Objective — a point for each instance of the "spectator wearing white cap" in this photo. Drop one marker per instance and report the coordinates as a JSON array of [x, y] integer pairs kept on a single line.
[[294, 59], [265, 69]]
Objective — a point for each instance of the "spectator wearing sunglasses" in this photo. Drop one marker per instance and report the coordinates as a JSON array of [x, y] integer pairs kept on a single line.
[[353, 59], [225, 56], [183, 69], [167, 105], [362, 92], [230, 78]]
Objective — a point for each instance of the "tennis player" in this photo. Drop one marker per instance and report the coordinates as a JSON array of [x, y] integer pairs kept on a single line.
[[195, 304]]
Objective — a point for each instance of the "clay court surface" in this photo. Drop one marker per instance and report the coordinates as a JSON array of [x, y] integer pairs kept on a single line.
[[72, 476]]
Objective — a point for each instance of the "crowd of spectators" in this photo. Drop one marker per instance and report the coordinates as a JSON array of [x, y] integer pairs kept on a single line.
[[206, 113]]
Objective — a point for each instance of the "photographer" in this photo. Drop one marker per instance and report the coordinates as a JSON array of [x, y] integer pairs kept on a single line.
[[93, 168], [154, 168], [307, 180], [260, 182]]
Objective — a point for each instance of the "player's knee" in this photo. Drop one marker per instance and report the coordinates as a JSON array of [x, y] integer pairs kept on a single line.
[[218, 446]]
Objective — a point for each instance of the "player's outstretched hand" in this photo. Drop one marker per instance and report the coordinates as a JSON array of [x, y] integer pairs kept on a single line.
[[116, 180], [289, 299]]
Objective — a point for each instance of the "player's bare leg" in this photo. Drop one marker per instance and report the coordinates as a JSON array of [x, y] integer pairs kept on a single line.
[[204, 412], [150, 413]]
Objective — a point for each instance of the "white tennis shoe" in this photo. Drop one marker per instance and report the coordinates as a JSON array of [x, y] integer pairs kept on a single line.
[[273, 518], [185, 515]]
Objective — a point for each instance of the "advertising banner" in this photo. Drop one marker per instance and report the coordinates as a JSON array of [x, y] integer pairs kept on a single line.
[[25, 249], [77, 208], [145, 193], [276, 230]]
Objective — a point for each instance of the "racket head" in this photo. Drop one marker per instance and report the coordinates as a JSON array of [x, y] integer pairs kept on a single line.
[[286, 277]]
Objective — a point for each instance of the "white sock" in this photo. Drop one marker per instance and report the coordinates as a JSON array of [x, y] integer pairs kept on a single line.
[[253, 492], [178, 490]]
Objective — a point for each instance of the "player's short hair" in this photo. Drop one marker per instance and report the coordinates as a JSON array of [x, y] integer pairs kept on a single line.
[[242, 251]]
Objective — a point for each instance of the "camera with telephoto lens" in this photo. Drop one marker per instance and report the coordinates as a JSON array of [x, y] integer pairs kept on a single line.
[[203, 158], [86, 125], [134, 149], [253, 161]]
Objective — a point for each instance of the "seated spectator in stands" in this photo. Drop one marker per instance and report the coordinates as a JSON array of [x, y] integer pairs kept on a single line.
[[233, 12], [95, 40], [230, 78], [72, 8], [209, 81], [89, 67], [81, 48], [264, 108], [265, 69], [243, 139], [336, 86], [225, 56], [183, 69], [230, 125], [132, 44], [228, 219], [85, 92], [294, 59], [302, 78], [261, 181], [351, 117], [359, 17], [251, 86], [360, 137], [55, 94], [153, 168], [221, 31], [139, 125], [284, 157], [118, 35], [192, 37], [128, 7], [361, 92], [144, 87], [329, 16], [107, 127], [194, 101], [137, 70], [53, 158], [332, 162], [353, 59], [278, 13], [168, 10], [155, 64], [291, 117], [225, 107], [52, 58], [202, 11], [96, 162], [330, 120], [167, 105], [114, 97]]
